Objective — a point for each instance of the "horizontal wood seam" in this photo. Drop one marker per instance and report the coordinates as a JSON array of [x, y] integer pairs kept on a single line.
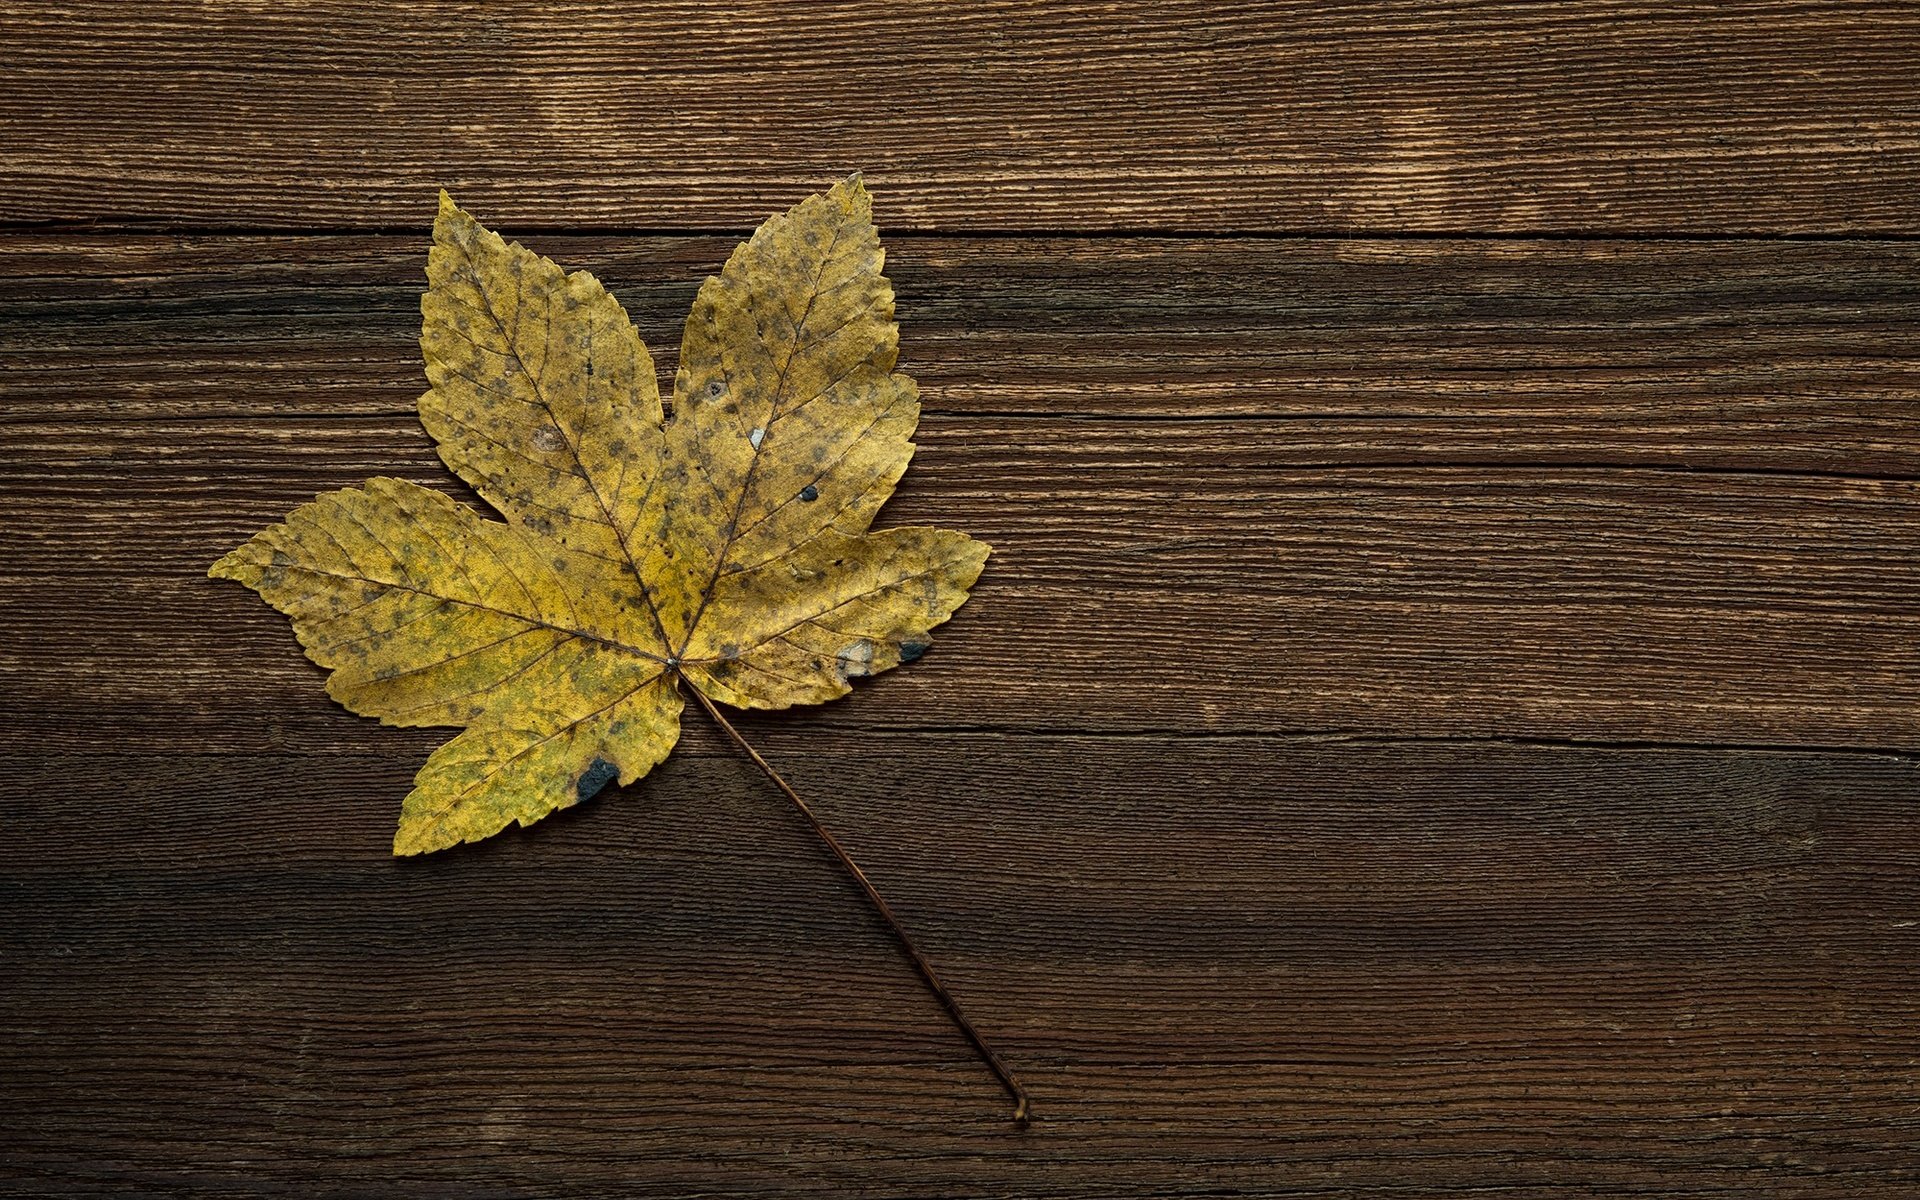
[[1489, 466], [1356, 738]]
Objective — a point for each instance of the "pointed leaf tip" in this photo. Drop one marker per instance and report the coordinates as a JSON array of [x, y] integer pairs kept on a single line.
[[852, 193]]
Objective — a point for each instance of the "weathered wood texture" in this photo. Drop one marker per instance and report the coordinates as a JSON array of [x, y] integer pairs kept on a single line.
[[1754, 116], [1630, 492], [1443, 717], [1233, 966], [1179, 801]]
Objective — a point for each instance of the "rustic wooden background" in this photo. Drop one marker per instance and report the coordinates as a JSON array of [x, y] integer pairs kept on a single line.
[[1443, 717]]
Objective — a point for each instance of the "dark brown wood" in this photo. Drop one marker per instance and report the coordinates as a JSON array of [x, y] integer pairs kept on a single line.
[[1703, 527], [1022, 1115], [1442, 719], [1751, 116], [1242, 966], [1138, 582], [1764, 356]]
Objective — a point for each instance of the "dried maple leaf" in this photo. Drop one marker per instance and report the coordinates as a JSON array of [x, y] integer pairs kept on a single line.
[[725, 550]]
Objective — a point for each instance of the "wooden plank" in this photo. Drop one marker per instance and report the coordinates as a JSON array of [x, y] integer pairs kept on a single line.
[[1749, 356], [1230, 965], [1718, 540], [1254, 806], [1593, 116], [1184, 579]]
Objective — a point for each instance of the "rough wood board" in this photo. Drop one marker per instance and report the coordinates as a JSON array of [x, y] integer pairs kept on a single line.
[[1765, 356], [1301, 802], [1742, 117], [1229, 966], [1235, 593], [1705, 527]]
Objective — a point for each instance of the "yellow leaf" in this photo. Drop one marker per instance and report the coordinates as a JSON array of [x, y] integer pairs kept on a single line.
[[726, 549]]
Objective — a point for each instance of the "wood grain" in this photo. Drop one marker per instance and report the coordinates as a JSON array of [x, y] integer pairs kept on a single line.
[[1628, 606], [1753, 117], [1765, 356], [1578, 564], [1247, 966], [1440, 720]]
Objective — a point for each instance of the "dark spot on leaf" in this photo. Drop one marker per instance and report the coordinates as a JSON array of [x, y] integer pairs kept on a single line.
[[589, 368], [911, 651], [809, 492], [715, 390], [598, 774]]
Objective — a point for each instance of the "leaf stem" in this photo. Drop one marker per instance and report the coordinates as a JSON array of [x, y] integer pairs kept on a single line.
[[1021, 1109]]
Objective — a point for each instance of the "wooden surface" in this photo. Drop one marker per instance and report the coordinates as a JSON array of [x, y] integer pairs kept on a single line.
[[1443, 717], [1749, 115]]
